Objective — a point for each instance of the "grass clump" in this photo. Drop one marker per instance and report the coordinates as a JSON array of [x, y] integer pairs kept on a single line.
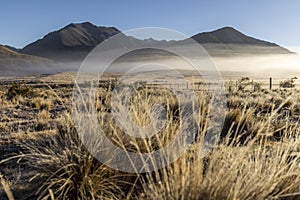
[[66, 170], [18, 89], [42, 104]]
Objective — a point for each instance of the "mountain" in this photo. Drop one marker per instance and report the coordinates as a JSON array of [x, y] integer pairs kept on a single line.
[[73, 42], [70, 43], [76, 40], [228, 41], [13, 63], [228, 35]]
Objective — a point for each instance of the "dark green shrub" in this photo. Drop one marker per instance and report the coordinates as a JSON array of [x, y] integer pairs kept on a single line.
[[257, 86], [243, 83], [20, 89], [290, 83]]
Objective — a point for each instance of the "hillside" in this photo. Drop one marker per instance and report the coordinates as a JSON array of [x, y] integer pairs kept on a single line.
[[72, 42], [14, 63]]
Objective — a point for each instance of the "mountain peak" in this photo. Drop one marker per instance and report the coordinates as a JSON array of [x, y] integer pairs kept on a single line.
[[73, 41], [226, 28], [229, 35], [82, 24]]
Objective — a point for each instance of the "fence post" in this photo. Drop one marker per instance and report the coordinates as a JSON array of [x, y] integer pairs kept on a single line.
[[270, 83]]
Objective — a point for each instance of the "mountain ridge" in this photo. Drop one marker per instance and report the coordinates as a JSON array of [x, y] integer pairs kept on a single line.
[[76, 40], [73, 42]]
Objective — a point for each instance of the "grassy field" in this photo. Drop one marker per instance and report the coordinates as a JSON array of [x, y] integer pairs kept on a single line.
[[42, 157]]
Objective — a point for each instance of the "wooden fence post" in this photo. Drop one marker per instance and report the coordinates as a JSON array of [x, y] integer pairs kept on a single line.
[[270, 83]]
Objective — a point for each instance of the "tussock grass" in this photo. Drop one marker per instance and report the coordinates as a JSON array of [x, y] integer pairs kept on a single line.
[[250, 172], [42, 104], [258, 156], [64, 169]]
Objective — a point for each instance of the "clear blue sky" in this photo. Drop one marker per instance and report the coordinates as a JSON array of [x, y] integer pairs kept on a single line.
[[274, 20]]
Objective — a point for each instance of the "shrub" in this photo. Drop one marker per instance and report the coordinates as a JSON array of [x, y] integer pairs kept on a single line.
[[290, 83], [256, 86], [243, 83], [21, 90], [230, 86]]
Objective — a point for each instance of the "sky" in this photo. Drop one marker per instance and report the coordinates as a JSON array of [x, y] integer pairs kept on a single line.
[[23, 22]]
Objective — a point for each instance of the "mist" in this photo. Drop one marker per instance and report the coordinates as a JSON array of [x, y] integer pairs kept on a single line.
[[257, 66], [230, 66], [277, 66]]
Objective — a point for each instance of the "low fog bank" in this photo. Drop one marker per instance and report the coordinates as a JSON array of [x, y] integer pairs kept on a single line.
[[256, 66], [262, 66], [276, 66]]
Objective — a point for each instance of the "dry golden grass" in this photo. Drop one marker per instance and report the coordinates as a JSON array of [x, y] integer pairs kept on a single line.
[[42, 104], [5, 186], [258, 156]]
